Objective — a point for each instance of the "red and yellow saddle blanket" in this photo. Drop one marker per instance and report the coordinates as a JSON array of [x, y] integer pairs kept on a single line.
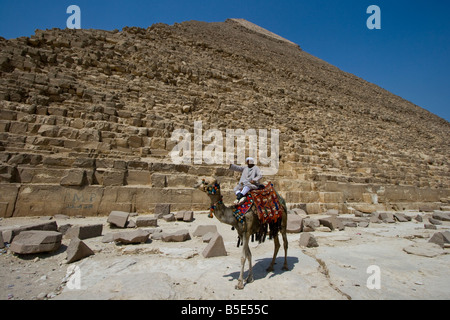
[[267, 203]]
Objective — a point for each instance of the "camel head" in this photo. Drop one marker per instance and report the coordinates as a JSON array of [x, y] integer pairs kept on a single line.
[[211, 189]]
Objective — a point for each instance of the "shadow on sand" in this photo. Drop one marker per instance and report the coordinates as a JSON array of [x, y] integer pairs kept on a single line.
[[260, 266]]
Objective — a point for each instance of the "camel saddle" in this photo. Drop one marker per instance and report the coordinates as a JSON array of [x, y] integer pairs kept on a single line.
[[267, 202]]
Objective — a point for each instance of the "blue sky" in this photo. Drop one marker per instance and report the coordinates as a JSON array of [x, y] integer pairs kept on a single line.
[[409, 56]]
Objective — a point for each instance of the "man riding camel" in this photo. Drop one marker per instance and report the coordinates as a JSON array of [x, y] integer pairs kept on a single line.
[[250, 177]]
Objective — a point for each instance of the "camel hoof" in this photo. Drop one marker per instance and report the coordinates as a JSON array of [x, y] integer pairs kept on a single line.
[[239, 286], [285, 268], [249, 279], [269, 269]]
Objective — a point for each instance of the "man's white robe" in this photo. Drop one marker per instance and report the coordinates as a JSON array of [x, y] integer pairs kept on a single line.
[[248, 175]]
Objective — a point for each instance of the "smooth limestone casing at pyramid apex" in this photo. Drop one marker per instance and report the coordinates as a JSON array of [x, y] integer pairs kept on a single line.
[[87, 116]]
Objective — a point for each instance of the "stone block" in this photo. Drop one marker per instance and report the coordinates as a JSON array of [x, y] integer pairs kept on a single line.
[[18, 127], [43, 199], [440, 238], [114, 178], [147, 222], [131, 237], [310, 224], [331, 197], [48, 131], [77, 250], [364, 207], [43, 226], [178, 236], [207, 237], [363, 224], [441, 215], [135, 142], [84, 232], [109, 237], [64, 228], [434, 221], [86, 163], [312, 208], [169, 217], [4, 126], [179, 216], [294, 223], [117, 199], [332, 212], [332, 222], [118, 218], [8, 196], [180, 181], [201, 230], [215, 247], [138, 177], [131, 224], [446, 235], [375, 217], [159, 180], [307, 240], [75, 178], [188, 216], [36, 241], [428, 207], [2, 243], [387, 217], [400, 217], [350, 224], [161, 209], [430, 226]]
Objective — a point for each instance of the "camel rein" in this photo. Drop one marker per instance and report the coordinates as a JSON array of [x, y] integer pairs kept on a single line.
[[214, 206]]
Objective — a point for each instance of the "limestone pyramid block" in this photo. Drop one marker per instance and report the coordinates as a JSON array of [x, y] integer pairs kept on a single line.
[[36, 241], [215, 247], [77, 250]]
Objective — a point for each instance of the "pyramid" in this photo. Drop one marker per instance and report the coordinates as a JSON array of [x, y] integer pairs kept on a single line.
[[87, 122]]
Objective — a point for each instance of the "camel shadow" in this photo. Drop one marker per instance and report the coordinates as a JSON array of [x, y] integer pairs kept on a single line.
[[260, 266]]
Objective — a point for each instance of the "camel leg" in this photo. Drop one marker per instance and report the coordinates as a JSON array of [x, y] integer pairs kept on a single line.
[[250, 266], [245, 250], [275, 252], [285, 244]]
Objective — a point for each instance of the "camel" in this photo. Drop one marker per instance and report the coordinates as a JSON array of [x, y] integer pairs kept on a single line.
[[245, 230]]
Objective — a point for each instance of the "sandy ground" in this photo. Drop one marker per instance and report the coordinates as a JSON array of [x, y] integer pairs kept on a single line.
[[337, 269]]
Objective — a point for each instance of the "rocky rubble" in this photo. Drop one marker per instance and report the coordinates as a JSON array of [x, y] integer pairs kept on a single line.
[[35, 241], [44, 237], [409, 237]]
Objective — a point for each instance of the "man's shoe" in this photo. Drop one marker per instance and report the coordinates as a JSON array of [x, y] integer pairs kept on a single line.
[[239, 198]]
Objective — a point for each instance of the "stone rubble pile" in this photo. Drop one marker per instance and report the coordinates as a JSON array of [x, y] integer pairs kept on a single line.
[[47, 237], [300, 222]]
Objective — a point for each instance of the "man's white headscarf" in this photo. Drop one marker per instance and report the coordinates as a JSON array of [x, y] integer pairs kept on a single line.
[[250, 160]]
